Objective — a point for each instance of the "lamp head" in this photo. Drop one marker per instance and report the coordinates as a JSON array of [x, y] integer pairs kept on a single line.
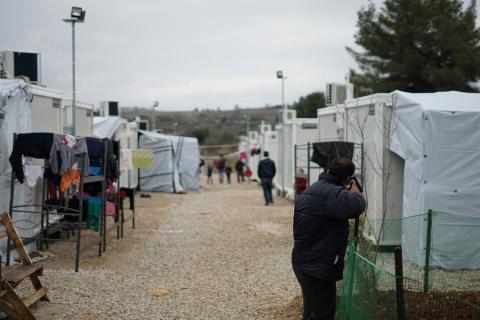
[[78, 14], [279, 74]]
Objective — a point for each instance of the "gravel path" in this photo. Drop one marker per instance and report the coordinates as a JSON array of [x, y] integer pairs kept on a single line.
[[213, 254]]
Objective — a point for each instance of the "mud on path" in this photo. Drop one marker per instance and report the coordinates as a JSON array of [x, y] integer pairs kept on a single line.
[[218, 253]]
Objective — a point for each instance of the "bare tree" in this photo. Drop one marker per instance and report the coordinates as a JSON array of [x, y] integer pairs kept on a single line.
[[379, 164]]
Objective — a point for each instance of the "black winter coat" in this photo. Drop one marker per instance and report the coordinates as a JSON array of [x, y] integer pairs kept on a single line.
[[266, 169], [320, 227]]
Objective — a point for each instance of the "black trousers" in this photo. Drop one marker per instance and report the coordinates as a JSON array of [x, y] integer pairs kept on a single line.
[[319, 296], [267, 190]]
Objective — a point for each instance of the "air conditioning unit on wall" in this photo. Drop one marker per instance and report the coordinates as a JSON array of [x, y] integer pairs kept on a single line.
[[14, 64], [337, 93], [109, 108]]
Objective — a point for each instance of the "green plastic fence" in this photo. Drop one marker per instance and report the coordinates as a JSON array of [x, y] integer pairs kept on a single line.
[[442, 281]]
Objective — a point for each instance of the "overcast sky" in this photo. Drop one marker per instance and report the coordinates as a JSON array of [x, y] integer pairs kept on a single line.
[[186, 53]]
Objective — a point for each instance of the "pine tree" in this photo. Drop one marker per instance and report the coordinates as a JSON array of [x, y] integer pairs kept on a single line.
[[417, 46], [307, 106]]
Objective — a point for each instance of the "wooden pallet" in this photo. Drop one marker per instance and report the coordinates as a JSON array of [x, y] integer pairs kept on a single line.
[[11, 276]]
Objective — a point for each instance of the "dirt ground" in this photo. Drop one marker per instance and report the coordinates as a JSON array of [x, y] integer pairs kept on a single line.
[[218, 253]]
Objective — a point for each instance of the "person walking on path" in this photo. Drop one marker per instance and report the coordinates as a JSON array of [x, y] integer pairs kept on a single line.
[[239, 168], [209, 174], [221, 168], [228, 172], [266, 172], [320, 232]]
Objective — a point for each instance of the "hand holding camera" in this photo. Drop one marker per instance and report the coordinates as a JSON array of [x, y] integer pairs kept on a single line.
[[354, 185]]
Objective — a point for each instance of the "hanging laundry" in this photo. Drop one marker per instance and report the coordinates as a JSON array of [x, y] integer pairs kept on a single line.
[[32, 173], [110, 209], [95, 171], [69, 178], [94, 211], [35, 145], [126, 159], [142, 158], [130, 194], [68, 147], [96, 151], [243, 155]]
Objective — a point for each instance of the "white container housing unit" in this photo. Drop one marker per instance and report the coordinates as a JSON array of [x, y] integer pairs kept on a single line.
[[269, 142], [416, 151], [46, 109], [83, 118], [299, 131]]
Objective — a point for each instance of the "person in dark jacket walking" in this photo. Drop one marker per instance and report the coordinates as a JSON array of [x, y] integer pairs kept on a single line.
[[320, 232], [239, 168], [266, 172]]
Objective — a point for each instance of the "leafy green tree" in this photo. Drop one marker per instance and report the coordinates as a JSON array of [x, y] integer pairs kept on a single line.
[[307, 106], [417, 46]]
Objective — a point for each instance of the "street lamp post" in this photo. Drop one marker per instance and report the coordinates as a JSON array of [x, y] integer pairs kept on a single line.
[[248, 123], [284, 123], [77, 15], [155, 105]]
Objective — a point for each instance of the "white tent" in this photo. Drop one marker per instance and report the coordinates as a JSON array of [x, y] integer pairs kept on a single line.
[[187, 157], [15, 117], [175, 164], [126, 133], [421, 152], [438, 136], [106, 127]]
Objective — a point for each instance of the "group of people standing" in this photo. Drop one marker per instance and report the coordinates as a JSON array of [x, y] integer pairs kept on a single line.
[[225, 170]]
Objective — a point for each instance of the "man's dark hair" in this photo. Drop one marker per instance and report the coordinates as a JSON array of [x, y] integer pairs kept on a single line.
[[265, 153], [341, 168]]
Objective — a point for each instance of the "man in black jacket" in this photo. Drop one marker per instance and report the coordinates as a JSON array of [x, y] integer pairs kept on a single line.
[[320, 231], [239, 168], [266, 172]]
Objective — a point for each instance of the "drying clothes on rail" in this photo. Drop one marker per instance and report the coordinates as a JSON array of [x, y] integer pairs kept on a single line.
[[94, 171], [96, 149], [32, 173], [142, 158], [111, 209], [116, 148], [130, 194], [94, 212], [126, 159], [69, 178], [35, 145], [68, 147], [243, 155]]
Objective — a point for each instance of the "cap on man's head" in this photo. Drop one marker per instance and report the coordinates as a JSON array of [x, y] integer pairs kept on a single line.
[[265, 153]]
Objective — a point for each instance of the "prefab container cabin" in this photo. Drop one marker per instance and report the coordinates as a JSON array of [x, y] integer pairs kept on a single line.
[[299, 131], [83, 118], [421, 152], [46, 109], [269, 142], [359, 121]]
